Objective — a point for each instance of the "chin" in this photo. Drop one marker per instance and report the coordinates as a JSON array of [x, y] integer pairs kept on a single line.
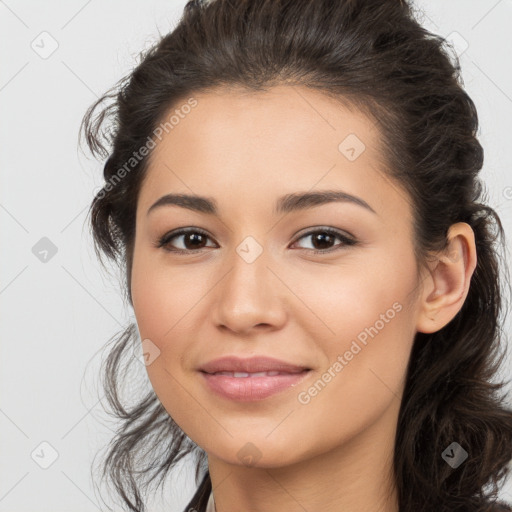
[[257, 453]]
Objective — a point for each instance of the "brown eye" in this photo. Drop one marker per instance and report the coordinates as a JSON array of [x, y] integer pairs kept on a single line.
[[322, 240], [192, 240]]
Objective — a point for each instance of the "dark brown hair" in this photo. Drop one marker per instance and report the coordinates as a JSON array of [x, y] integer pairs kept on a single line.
[[375, 56]]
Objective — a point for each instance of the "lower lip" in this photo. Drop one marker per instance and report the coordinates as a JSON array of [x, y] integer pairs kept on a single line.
[[250, 389]]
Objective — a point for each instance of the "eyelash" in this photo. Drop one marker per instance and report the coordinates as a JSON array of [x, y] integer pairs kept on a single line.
[[165, 240]]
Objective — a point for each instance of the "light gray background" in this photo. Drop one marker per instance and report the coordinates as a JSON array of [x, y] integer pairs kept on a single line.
[[57, 315]]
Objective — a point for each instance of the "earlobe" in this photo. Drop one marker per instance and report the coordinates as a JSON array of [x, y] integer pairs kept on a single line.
[[449, 280]]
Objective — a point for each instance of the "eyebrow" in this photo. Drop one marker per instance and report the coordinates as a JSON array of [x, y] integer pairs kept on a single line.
[[288, 203]]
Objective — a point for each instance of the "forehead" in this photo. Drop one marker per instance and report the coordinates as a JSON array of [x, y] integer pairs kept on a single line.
[[257, 145], [282, 121]]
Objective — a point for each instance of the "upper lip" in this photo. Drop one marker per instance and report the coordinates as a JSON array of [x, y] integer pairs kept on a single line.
[[250, 365]]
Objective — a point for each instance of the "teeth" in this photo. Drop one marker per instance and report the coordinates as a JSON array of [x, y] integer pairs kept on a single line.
[[245, 374]]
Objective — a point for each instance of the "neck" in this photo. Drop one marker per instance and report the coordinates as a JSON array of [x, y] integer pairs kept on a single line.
[[355, 476]]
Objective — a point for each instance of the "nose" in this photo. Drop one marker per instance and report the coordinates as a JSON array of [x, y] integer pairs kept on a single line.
[[249, 296]]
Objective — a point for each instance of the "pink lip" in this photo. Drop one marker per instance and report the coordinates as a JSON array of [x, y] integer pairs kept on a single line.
[[248, 389], [251, 365]]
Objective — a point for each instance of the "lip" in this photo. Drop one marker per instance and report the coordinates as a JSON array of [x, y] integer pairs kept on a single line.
[[250, 389], [251, 365]]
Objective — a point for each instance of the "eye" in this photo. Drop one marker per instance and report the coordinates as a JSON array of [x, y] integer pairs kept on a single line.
[[194, 239], [326, 236]]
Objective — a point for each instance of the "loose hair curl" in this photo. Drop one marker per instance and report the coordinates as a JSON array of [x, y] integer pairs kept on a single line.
[[374, 56]]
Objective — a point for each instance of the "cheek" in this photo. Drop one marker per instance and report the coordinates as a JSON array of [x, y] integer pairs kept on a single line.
[[169, 306], [164, 327], [366, 329], [158, 309], [365, 360], [363, 295], [163, 295]]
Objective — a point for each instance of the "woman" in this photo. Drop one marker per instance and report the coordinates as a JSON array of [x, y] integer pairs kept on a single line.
[[292, 191]]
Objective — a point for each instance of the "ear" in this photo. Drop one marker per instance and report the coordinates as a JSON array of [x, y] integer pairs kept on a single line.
[[447, 283]]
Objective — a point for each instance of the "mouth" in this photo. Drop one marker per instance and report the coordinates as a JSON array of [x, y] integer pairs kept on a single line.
[[253, 374], [251, 379], [252, 366], [252, 386]]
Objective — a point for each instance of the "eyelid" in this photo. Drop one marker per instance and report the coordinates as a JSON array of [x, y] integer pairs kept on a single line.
[[346, 238], [165, 239], [335, 231]]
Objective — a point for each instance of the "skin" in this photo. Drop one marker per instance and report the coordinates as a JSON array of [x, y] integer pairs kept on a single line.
[[245, 150]]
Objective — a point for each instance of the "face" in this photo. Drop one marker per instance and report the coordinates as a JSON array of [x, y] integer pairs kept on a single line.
[[252, 279]]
